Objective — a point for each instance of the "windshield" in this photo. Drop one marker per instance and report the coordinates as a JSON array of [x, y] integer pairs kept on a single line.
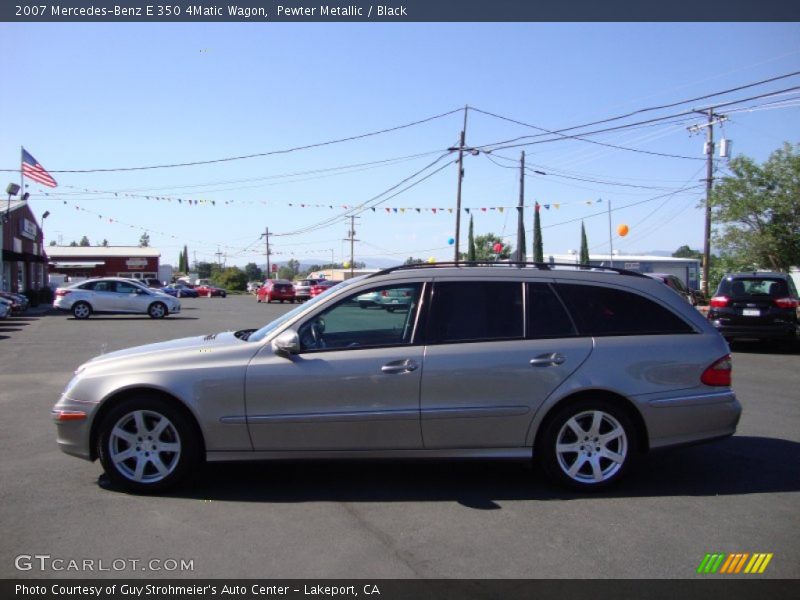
[[262, 333]]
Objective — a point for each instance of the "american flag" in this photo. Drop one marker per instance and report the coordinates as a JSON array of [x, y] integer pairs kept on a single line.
[[33, 170]]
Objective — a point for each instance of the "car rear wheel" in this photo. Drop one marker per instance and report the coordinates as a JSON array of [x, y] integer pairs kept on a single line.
[[157, 310], [81, 310], [147, 445], [588, 445]]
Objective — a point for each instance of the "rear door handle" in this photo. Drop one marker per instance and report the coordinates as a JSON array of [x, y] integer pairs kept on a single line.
[[400, 366], [548, 360]]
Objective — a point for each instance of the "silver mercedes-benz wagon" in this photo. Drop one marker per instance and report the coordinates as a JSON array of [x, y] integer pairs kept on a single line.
[[583, 370]]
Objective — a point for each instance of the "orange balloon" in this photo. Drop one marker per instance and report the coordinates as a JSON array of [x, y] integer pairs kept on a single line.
[[622, 230]]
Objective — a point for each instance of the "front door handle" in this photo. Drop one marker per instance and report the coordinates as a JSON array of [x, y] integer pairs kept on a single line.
[[400, 366], [548, 360]]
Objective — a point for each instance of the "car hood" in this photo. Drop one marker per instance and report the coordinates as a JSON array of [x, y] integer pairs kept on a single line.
[[172, 351]]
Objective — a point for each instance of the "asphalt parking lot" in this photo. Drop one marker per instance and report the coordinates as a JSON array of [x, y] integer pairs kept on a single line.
[[379, 519]]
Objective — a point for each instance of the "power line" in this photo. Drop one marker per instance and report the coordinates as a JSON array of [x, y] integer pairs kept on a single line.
[[674, 104], [692, 112], [363, 206], [258, 155]]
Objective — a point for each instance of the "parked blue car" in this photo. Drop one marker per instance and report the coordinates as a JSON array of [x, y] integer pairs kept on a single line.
[[180, 291]]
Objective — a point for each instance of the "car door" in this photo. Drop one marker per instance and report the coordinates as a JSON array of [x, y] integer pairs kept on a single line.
[[131, 298], [102, 296], [484, 376], [353, 385]]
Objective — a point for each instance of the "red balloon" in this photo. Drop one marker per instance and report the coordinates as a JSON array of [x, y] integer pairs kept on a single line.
[[498, 248]]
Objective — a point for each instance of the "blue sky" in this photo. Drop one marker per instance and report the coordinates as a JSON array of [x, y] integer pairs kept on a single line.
[[113, 95]]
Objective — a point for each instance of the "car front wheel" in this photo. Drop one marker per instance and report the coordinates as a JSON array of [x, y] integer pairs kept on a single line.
[[147, 445], [588, 445]]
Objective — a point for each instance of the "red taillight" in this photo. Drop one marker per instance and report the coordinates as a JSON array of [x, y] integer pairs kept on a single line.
[[719, 301], [62, 292], [719, 374], [786, 303]]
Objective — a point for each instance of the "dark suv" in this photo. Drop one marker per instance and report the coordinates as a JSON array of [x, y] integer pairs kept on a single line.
[[757, 306]]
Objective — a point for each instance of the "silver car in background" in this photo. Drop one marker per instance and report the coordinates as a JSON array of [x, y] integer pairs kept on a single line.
[[114, 295], [581, 370]]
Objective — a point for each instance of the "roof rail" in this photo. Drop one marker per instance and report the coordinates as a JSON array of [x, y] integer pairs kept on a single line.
[[548, 266]]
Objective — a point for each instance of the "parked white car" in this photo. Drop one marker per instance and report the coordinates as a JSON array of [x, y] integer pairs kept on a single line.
[[114, 295]]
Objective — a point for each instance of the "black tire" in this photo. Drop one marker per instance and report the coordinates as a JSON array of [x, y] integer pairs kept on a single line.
[[81, 310], [180, 447], [364, 304], [223, 294], [157, 310], [595, 463]]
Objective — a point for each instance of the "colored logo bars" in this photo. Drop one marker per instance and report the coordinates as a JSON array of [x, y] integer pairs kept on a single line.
[[734, 563]]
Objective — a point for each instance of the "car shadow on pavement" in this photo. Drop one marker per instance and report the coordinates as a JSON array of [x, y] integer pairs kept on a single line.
[[737, 465], [132, 318]]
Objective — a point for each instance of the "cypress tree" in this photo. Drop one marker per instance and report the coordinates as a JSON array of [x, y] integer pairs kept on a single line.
[[584, 247], [538, 246], [471, 254]]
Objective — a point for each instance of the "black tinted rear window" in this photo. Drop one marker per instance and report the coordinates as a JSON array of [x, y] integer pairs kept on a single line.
[[603, 311], [740, 287], [472, 311]]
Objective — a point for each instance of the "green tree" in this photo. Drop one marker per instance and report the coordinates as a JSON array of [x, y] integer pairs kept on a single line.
[[484, 249], [584, 260], [230, 278], [84, 242], [538, 246], [204, 270], [254, 273], [73, 244], [52, 242], [183, 260], [686, 252], [413, 261], [105, 243], [757, 211], [144, 241], [472, 255]]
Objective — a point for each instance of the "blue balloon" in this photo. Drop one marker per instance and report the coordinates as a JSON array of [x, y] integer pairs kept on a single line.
[[451, 241]]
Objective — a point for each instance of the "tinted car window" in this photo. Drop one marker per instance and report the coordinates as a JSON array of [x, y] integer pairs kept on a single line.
[[126, 288], [471, 311], [755, 286], [601, 311], [547, 317]]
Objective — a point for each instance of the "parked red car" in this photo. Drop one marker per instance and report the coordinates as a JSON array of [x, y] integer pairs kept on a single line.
[[321, 286], [207, 291], [276, 289]]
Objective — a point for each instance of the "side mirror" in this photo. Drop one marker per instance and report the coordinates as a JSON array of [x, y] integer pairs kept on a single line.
[[286, 344]]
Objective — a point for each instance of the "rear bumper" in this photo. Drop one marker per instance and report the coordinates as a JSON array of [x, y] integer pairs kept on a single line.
[[787, 331], [674, 421]]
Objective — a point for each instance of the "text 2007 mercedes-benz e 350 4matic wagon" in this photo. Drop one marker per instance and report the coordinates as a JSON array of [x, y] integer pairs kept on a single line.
[[583, 370]]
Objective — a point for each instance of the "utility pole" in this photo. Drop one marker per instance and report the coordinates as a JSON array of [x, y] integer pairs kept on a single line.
[[265, 235], [610, 237], [709, 151], [460, 179], [218, 254], [351, 235], [520, 212]]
